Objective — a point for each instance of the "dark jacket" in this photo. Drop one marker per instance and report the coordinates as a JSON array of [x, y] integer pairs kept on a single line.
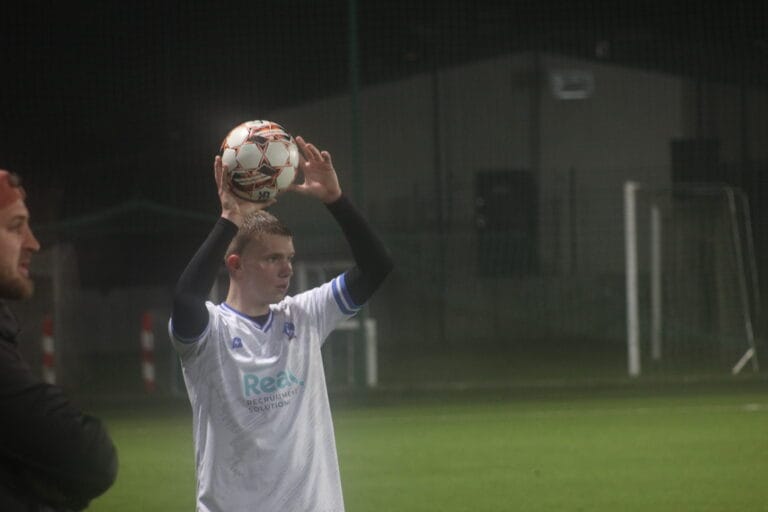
[[52, 456]]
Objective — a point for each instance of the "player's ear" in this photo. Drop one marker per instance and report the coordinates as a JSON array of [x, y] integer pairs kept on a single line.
[[233, 262]]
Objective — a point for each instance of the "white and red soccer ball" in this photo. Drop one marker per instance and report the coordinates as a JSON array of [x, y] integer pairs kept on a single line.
[[262, 159]]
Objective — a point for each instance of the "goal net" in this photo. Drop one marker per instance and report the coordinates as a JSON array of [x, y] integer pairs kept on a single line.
[[692, 296]]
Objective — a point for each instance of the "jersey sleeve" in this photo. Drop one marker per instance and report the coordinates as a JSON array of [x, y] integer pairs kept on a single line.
[[188, 346], [327, 305]]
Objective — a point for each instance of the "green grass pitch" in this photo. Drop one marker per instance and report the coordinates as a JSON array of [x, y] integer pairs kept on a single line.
[[599, 451]]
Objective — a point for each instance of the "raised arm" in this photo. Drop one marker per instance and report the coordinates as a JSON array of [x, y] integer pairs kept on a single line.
[[189, 315], [372, 260]]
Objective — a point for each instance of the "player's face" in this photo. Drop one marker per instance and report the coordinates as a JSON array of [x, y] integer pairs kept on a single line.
[[267, 267], [17, 243]]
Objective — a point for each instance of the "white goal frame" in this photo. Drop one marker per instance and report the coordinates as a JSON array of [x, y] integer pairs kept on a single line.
[[750, 300]]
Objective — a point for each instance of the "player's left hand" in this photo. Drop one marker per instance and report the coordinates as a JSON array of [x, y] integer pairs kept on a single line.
[[320, 179]]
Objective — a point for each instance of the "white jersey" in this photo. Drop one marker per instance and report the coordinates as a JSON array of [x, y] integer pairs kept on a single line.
[[262, 424]]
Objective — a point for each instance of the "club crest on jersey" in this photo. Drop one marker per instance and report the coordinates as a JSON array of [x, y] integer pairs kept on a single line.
[[289, 330], [237, 342]]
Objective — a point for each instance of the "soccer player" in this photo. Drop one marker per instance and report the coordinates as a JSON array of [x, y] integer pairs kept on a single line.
[[252, 365], [52, 456]]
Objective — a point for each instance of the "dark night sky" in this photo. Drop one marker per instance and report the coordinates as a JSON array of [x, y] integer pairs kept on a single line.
[[105, 101]]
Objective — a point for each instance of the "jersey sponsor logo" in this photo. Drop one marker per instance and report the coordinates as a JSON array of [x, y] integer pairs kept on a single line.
[[289, 330], [237, 342], [254, 385]]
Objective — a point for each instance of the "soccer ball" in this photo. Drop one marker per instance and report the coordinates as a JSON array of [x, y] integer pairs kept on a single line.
[[262, 159]]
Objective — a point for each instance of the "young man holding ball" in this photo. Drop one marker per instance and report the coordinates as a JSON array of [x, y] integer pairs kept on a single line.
[[262, 425]]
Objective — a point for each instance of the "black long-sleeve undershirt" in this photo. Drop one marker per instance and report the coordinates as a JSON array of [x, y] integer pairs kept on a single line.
[[372, 260], [372, 265]]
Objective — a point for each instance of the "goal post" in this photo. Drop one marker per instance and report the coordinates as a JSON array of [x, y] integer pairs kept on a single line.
[[633, 308], [692, 296]]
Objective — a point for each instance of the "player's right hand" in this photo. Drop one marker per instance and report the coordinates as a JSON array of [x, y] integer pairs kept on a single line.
[[233, 208]]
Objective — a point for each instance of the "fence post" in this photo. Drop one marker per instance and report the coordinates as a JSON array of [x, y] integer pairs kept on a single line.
[[147, 353]]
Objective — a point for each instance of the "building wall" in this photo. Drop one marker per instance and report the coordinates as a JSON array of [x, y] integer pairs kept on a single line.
[[621, 132], [396, 176], [423, 140]]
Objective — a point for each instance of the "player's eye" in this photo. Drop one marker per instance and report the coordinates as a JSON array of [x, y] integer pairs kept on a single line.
[[16, 227]]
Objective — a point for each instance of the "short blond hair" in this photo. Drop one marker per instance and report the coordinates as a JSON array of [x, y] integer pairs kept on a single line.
[[254, 226]]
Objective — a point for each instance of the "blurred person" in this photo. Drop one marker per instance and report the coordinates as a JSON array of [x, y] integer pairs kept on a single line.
[[52, 456], [252, 365]]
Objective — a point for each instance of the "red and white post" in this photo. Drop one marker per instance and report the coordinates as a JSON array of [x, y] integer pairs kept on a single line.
[[147, 353], [49, 352]]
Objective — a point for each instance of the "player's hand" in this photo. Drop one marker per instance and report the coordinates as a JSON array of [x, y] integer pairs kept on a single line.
[[232, 207], [320, 178]]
